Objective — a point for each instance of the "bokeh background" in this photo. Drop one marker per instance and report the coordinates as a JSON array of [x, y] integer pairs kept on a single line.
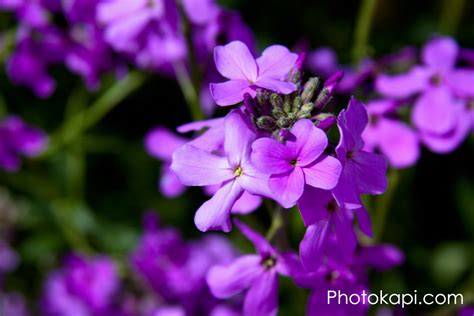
[[98, 188]]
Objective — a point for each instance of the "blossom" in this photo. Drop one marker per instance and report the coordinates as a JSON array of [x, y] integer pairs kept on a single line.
[[13, 304], [147, 30], [442, 88], [297, 162], [197, 167], [394, 138], [235, 62], [325, 216], [347, 276], [19, 139], [362, 172], [176, 269], [82, 287], [257, 274]]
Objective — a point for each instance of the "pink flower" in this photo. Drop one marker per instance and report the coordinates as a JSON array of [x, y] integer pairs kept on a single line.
[[235, 62]]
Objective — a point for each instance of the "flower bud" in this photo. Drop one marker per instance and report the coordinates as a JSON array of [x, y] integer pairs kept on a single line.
[[266, 123], [276, 100], [297, 103], [284, 122], [309, 89]]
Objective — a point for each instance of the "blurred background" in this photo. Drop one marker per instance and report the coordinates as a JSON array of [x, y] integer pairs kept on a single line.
[[91, 195]]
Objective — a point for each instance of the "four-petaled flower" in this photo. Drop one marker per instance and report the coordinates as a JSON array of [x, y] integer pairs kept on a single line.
[[298, 162], [235, 62]]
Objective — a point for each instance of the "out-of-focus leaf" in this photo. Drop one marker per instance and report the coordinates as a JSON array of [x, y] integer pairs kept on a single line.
[[449, 262]]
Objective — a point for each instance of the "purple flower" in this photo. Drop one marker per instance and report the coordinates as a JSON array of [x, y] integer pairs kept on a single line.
[[147, 30], [440, 84], [256, 274], [394, 138], [19, 139], [197, 167], [298, 162], [161, 143], [235, 62], [466, 311], [362, 172], [81, 287], [176, 269], [324, 216], [8, 258]]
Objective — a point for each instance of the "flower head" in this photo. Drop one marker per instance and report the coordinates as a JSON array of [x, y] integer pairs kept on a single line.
[[235, 62]]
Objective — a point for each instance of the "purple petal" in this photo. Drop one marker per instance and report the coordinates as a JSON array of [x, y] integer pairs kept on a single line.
[[346, 192], [161, 143], [238, 138], [461, 81], [230, 92], [370, 172], [227, 281], [312, 245], [254, 181], [310, 142], [196, 167], [313, 205], [234, 61], [382, 257], [287, 187], [201, 12], [363, 219], [355, 117], [346, 238], [276, 62], [324, 173], [440, 53], [199, 125], [262, 297], [404, 85], [271, 156], [246, 204], [447, 142], [215, 213], [433, 111], [398, 142], [170, 185], [262, 245], [276, 85]]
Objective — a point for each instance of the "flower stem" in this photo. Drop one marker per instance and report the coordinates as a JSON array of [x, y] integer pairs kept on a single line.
[[189, 91], [362, 30], [451, 15], [72, 128], [384, 202]]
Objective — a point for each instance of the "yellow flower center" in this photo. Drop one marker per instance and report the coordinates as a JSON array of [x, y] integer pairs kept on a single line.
[[238, 171]]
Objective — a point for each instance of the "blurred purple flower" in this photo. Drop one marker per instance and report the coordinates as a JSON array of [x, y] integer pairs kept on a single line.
[[176, 269], [147, 30], [19, 139], [442, 88], [256, 274], [235, 62], [296, 163], [362, 172], [82, 287], [197, 167], [394, 138]]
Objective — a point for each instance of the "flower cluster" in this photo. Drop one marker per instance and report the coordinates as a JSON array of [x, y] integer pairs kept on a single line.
[[276, 146], [92, 38], [438, 93]]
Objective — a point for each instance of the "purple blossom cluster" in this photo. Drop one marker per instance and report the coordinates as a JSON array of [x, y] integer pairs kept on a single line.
[[95, 37], [168, 273], [275, 146], [437, 93]]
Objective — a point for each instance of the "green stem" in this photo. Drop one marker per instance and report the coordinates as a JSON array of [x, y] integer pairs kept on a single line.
[[77, 124], [190, 81], [277, 223], [384, 202], [451, 15], [362, 30], [189, 91]]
